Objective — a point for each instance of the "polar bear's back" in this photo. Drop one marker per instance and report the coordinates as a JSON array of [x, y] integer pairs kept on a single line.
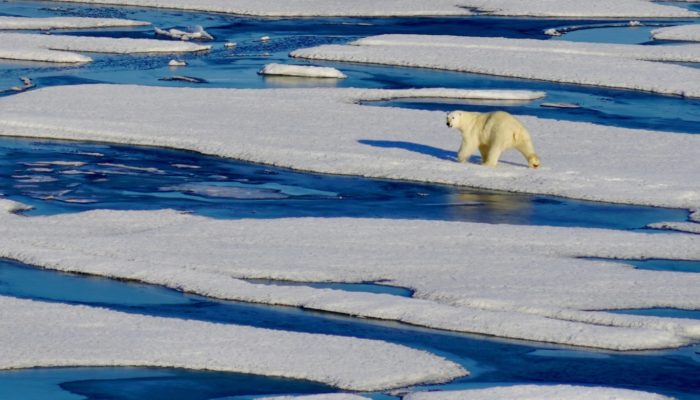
[[501, 127]]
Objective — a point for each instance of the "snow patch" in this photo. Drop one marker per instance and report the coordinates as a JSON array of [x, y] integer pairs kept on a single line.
[[38, 334], [302, 71], [538, 392], [22, 23], [499, 280], [326, 130], [61, 48], [593, 64]]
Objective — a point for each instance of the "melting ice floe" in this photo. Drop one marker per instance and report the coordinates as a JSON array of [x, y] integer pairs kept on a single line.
[[302, 71], [54, 335], [325, 130], [198, 33], [10, 206], [500, 280], [283, 8], [62, 48], [596, 64], [18, 23], [688, 33], [531, 392]]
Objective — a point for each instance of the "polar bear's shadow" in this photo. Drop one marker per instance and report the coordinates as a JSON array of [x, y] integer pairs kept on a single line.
[[425, 149]]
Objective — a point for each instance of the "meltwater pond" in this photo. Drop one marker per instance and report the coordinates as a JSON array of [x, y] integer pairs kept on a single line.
[[58, 177], [491, 361]]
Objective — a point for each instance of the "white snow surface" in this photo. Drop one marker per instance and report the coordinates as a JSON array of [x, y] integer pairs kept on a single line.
[[64, 48], [689, 227], [302, 70], [39, 334], [595, 64], [688, 33], [500, 280], [538, 392], [324, 396], [18, 23], [387, 8], [325, 130], [11, 206]]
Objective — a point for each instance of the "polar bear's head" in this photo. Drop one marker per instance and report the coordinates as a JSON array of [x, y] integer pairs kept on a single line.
[[459, 118]]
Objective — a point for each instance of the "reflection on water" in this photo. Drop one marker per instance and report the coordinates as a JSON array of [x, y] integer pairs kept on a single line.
[[58, 177]]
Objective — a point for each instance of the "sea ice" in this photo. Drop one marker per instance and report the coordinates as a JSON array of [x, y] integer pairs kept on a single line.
[[688, 33], [11, 206], [18, 23], [301, 70], [396, 8], [62, 48], [40, 334], [198, 33], [499, 280], [538, 392], [594, 64], [326, 130]]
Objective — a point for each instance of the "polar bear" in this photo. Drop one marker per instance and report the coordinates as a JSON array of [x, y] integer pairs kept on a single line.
[[492, 133]]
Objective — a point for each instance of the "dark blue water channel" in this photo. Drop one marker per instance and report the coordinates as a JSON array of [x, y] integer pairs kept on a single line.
[[58, 177], [491, 361]]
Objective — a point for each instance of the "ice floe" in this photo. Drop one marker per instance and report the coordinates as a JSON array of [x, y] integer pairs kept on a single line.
[[499, 280], [595, 64], [326, 130], [39, 334], [22, 23], [64, 48], [301, 70], [198, 33], [395, 8], [688, 33], [538, 392], [11, 206]]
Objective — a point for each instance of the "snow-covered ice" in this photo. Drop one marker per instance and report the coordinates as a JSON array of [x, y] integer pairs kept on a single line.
[[18, 23], [538, 392], [499, 280], [39, 334], [388, 8], [301, 70], [324, 396], [689, 227], [595, 64], [63, 48], [688, 33], [325, 130]]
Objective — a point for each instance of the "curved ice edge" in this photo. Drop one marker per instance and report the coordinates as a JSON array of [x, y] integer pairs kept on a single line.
[[60, 332]]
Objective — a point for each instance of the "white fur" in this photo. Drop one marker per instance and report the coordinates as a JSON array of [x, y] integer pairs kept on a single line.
[[491, 133]]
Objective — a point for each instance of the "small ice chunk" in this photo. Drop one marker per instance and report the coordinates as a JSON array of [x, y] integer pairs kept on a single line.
[[197, 34], [230, 45], [301, 71], [10, 206], [552, 32], [265, 39], [635, 23], [177, 63]]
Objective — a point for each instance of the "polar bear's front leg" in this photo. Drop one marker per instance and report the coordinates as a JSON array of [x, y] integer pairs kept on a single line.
[[466, 149]]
